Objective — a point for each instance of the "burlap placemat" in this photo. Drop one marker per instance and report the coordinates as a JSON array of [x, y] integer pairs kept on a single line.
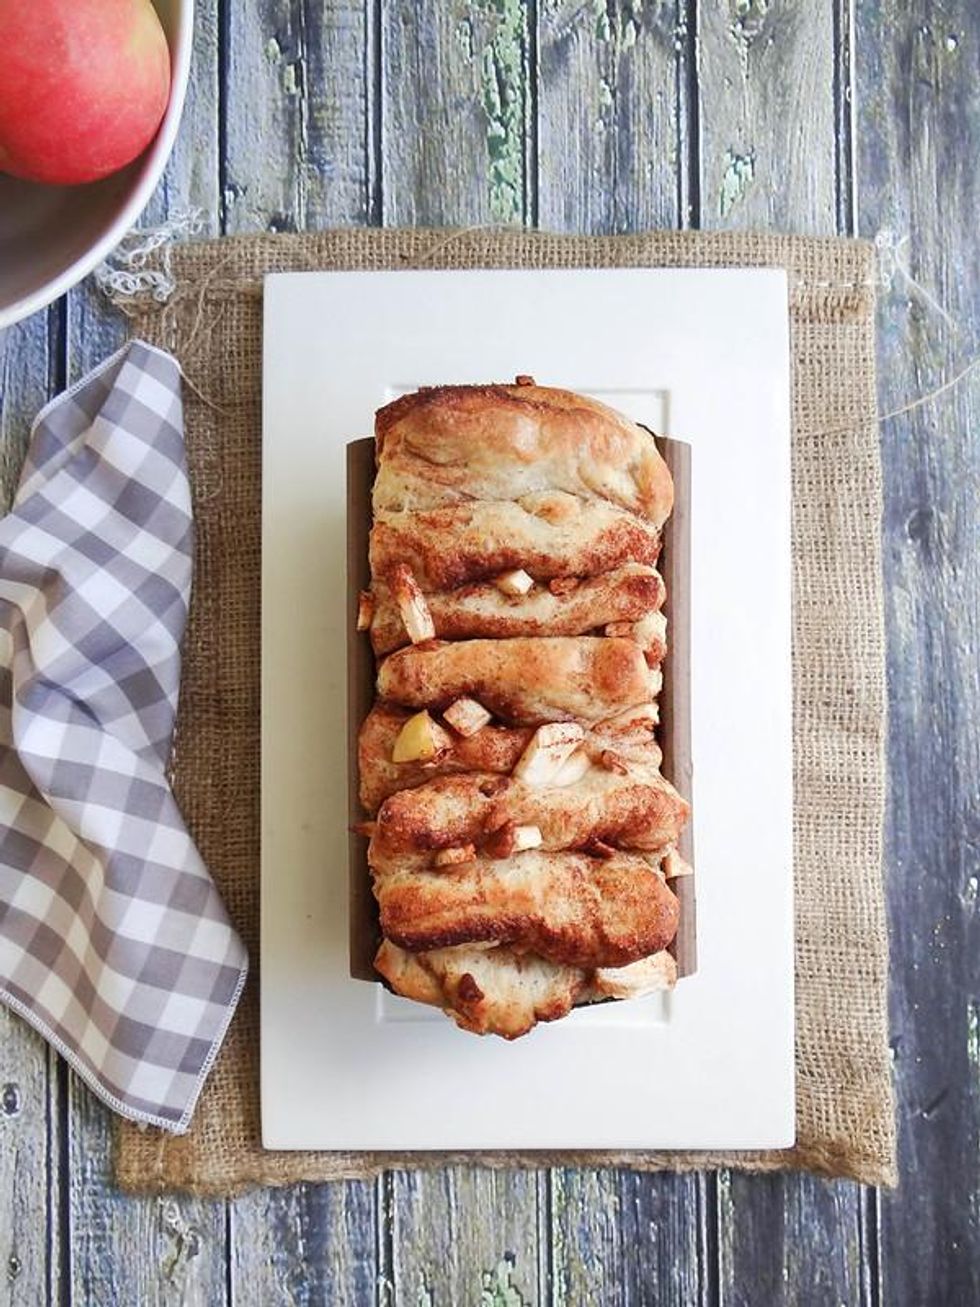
[[213, 323]]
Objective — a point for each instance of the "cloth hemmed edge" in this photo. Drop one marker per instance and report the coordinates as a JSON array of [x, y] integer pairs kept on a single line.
[[90, 1078]]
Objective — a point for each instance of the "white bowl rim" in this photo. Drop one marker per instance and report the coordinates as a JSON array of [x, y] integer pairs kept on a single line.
[[155, 161]]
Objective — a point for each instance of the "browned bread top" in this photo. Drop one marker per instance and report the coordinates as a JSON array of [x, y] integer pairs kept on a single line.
[[549, 533], [448, 444]]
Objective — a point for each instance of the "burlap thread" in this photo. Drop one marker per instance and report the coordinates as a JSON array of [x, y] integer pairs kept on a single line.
[[213, 323]]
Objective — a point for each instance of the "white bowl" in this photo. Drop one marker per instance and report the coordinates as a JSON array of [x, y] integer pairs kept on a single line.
[[53, 236]]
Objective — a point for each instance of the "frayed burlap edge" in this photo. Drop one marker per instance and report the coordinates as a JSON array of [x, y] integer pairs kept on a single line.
[[845, 1110]]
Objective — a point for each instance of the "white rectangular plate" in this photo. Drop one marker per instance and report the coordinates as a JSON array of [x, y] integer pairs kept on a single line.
[[702, 356]]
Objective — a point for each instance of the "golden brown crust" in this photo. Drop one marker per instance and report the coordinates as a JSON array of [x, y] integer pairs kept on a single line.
[[549, 534], [454, 443], [638, 810], [493, 749], [566, 907], [481, 609], [522, 680]]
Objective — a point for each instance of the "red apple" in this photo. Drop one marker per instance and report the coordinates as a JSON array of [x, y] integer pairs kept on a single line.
[[83, 86]]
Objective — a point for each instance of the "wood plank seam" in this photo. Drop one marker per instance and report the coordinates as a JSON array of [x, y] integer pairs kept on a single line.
[[374, 112], [59, 1172], [709, 1238], [531, 124], [384, 1202], [224, 48], [845, 117], [688, 116]]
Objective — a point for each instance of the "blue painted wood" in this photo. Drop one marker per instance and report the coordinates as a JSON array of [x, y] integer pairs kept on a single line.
[[919, 187], [600, 116]]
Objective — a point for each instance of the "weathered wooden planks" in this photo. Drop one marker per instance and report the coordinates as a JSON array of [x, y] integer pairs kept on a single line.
[[608, 135], [790, 1239], [161, 1250], [305, 1244], [455, 107], [295, 106], [623, 1239], [466, 1235], [919, 119], [297, 115], [28, 372], [768, 144]]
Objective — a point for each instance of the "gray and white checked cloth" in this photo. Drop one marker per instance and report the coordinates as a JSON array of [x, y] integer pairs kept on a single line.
[[114, 943]]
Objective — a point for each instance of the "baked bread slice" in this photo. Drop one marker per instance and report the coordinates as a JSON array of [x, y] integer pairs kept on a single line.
[[501, 991], [636, 979], [486, 990], [523, 680], [450, 444], [567, 607], [566, 907], [493, 748], [549, 533], [636, 809]]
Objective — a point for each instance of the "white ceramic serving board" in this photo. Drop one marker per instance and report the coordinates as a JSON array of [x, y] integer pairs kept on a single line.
[[701, 355]]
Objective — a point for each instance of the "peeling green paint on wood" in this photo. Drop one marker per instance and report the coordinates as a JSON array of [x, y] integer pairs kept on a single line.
[[618, 22], [295, 115], [467, 1236], [499, 1288], [455, 114], [747, 24], [735, 180], [503, 86], [768, 115]]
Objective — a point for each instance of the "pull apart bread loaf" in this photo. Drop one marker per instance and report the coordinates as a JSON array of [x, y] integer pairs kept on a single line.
[[522, 841]]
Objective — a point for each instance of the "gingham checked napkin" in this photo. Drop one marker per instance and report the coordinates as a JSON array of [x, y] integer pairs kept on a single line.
[[114, 943]]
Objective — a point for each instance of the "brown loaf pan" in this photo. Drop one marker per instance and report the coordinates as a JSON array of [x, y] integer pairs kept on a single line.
[[675, 700]]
